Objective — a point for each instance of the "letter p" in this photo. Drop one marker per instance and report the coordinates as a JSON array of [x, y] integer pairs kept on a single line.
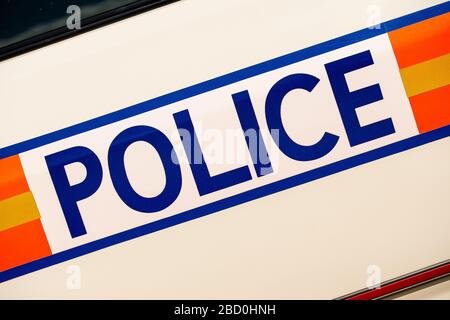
[[69, 195]]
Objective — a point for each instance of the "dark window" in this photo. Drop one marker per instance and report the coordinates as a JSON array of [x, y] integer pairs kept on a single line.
[[28, 24]]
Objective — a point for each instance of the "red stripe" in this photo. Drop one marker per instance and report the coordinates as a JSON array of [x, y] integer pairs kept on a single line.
[[403, 283]]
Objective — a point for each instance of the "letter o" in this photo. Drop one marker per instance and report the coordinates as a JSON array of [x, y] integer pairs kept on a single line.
[[119, 177]]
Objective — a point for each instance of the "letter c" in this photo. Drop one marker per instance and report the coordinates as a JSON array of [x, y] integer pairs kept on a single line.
[[273, 116]]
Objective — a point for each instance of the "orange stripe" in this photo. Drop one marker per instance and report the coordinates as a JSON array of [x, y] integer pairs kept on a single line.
[[432, 109], [12, 178], [421, 41], [22, 244]]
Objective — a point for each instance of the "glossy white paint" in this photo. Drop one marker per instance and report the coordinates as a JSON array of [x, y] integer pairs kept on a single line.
[[312, 241]]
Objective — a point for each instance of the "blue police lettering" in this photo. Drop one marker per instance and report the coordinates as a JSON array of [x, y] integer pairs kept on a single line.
[[205, 182], [347, 103], [69, 195], [119, 177]]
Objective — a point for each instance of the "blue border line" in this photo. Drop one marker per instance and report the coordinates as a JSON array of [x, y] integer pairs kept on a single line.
[[249, 195], [229, 202], [224, 80]]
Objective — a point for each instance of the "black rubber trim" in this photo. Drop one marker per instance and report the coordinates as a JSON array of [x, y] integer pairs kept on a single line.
[[87, 24]]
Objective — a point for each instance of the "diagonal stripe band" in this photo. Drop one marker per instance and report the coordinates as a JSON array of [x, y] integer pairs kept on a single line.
[[17, 210], [421, 41], [12, 178], [426, 76]]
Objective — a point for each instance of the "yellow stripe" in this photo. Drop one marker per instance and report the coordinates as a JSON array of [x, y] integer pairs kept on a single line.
[[426, 76], [17, 210]]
